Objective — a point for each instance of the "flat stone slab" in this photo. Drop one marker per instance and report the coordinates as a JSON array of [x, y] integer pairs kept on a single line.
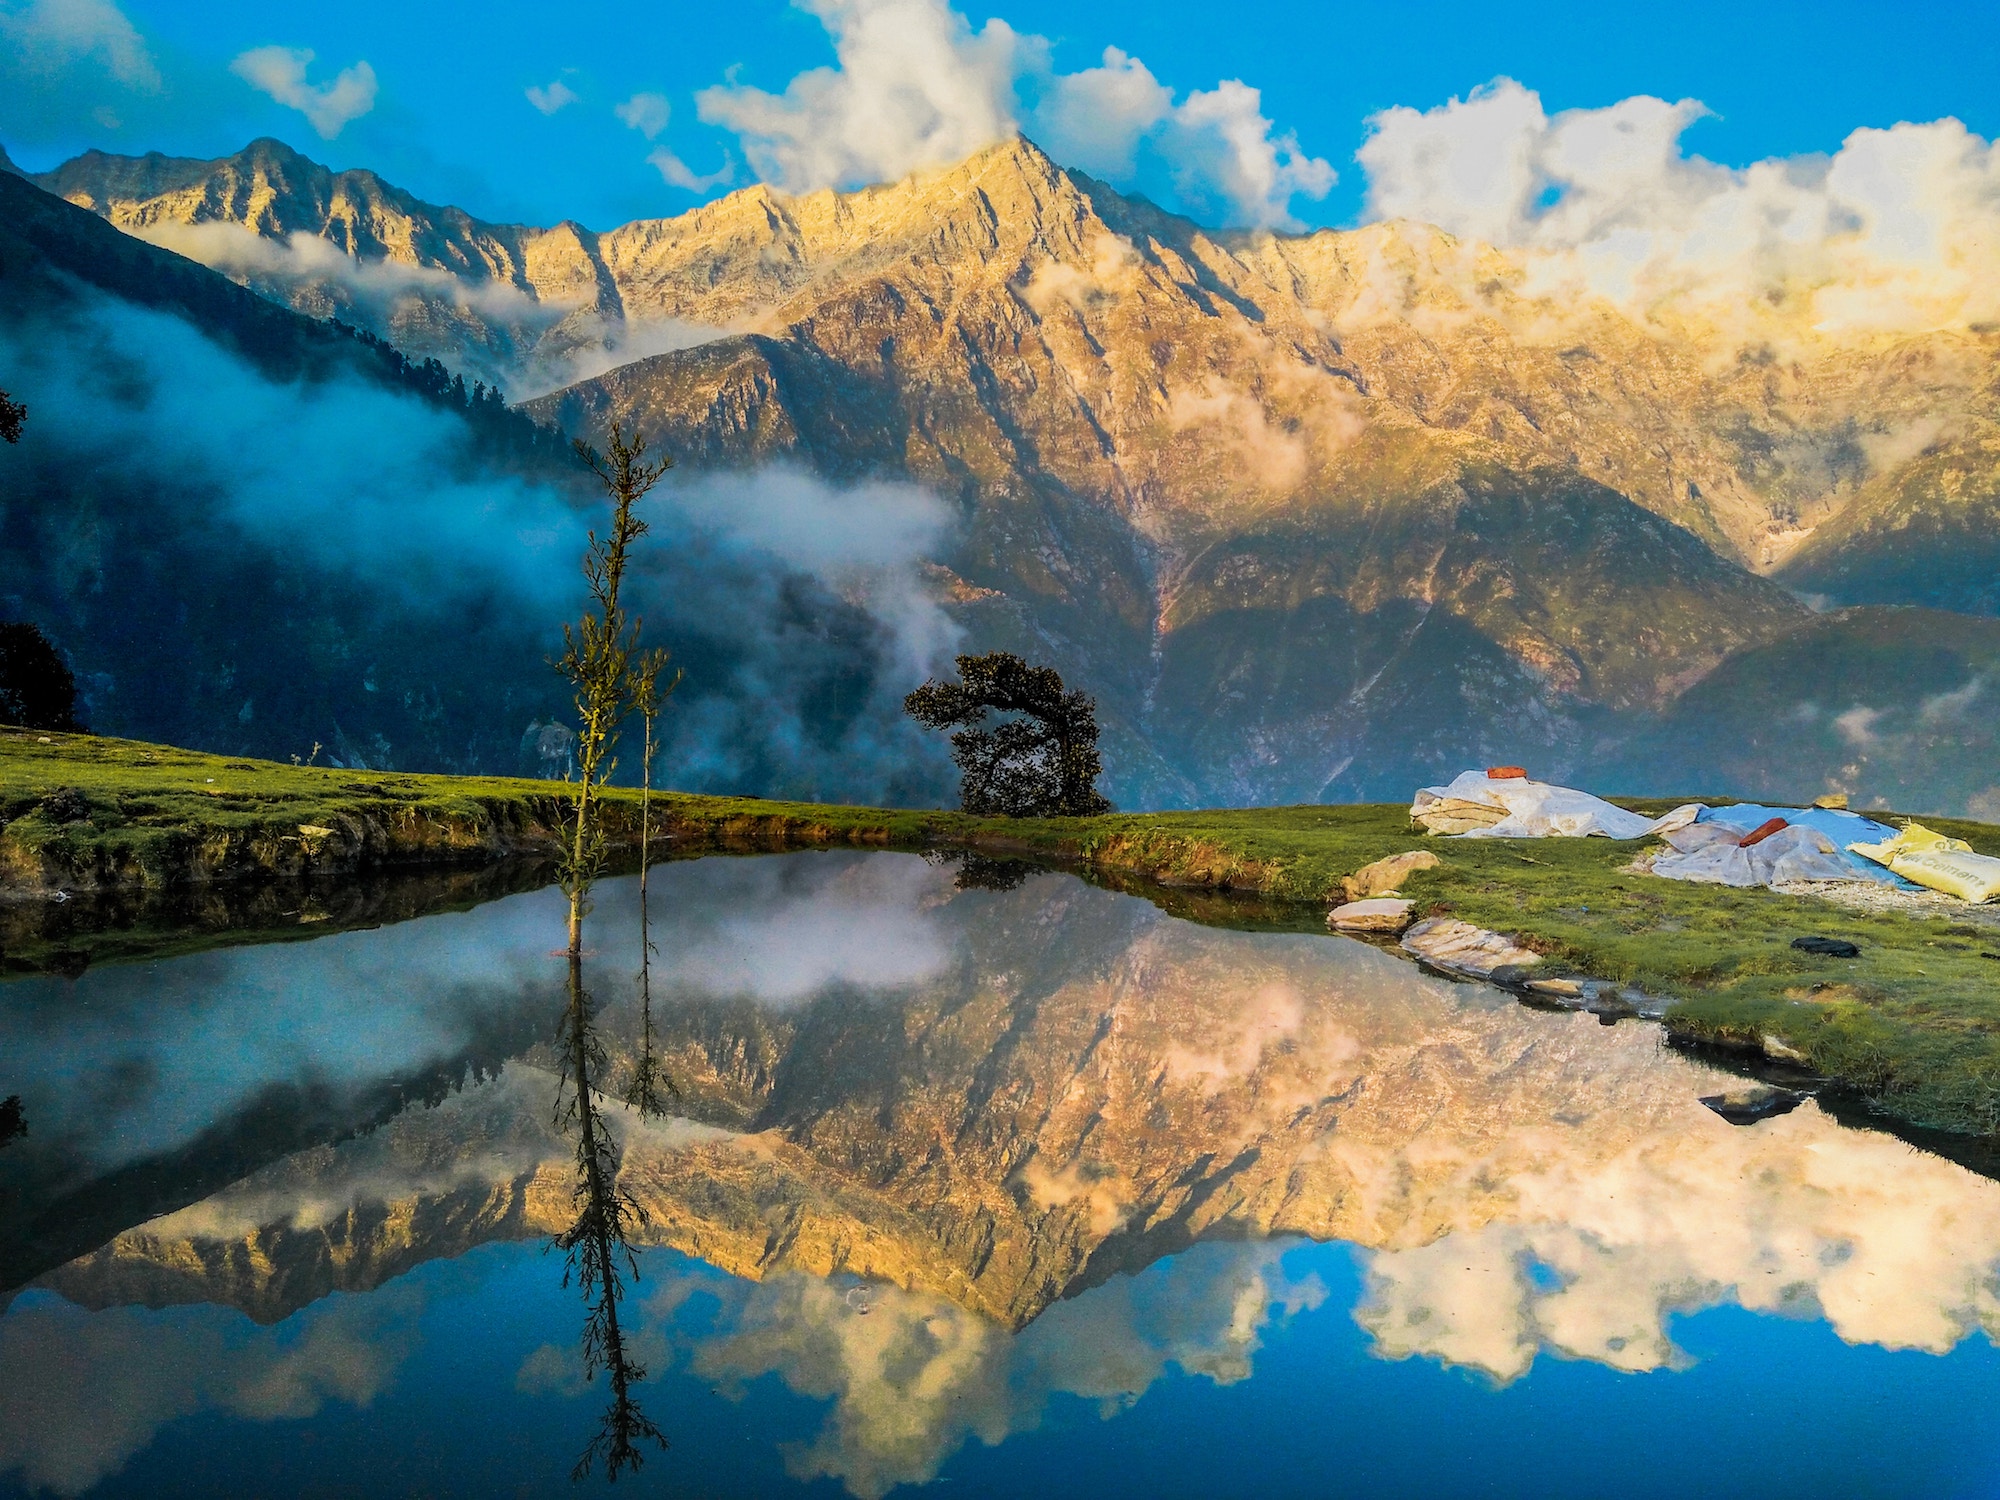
[[1561, 989], [1382, 914], [1462, 948]]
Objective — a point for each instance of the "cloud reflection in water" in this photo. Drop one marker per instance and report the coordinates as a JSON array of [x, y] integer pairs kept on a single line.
[[912, 1377]]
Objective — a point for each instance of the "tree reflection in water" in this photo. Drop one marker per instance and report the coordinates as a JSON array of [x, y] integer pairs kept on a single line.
[[599, 1255], [650, 1085], [984, 872]]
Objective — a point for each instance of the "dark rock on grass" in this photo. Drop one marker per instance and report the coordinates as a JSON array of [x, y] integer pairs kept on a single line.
[[1827, 947], [65, 805]]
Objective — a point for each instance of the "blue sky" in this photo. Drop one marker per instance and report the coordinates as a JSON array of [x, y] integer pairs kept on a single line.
[[449, 117]]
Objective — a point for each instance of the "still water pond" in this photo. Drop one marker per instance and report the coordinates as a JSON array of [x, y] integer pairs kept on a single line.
[[998, 1191]]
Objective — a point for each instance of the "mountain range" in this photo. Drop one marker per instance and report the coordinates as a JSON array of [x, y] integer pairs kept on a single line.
[[1315, 517]]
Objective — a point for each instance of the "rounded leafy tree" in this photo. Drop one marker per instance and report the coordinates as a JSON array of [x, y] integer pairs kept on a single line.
[[1040, 762], [36, 689]]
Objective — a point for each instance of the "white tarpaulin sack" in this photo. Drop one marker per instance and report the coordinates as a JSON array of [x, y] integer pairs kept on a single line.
[[1476, 805], [1712, 853]]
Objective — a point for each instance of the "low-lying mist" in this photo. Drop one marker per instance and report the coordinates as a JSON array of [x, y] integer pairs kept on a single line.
[[254, 566], [488, 330]]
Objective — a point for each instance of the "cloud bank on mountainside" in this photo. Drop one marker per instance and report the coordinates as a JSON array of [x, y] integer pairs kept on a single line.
[[333, 560], [1897, 232], [486, 329]]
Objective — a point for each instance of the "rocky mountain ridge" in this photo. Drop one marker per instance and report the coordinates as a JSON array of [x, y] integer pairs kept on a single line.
[[1748, 446], [485, 296], [1313, 515]]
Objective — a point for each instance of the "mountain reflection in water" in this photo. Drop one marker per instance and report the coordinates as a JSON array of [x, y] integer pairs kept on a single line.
[[939, 1157]]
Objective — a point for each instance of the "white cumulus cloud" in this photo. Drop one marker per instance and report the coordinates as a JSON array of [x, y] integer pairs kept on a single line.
[[1899, 229], [1221, 152], [47, 37], [679, 174], [550, 97], [646, 113], [914, 85], [328, 107]]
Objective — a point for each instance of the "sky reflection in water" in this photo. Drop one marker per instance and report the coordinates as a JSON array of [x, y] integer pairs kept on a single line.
[[1000, 1187]]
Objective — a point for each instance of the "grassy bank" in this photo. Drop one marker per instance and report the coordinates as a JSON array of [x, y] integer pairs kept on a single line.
[[1914, 1023], [85, 814]]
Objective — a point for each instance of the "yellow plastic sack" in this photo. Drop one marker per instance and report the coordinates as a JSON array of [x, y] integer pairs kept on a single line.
[[1944, 864]]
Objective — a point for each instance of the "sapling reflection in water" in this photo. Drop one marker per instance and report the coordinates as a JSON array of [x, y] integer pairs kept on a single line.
[[597, 1244], [650, 689], [608, 673]]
